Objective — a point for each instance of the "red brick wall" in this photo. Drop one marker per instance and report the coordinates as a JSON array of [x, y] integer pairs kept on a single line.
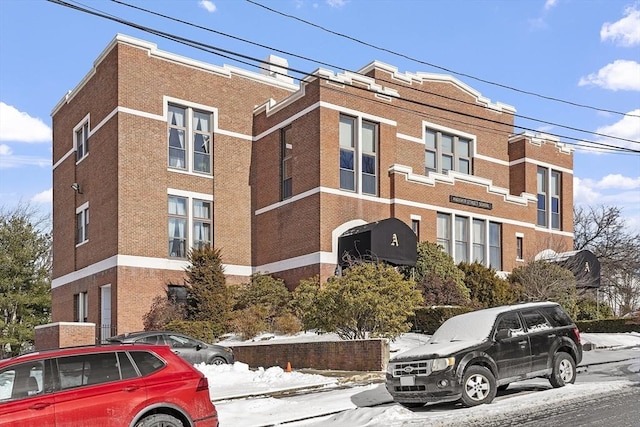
[[352, 355]]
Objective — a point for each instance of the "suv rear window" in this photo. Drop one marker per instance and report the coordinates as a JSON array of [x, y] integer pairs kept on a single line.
[[147, 362], [557, 316]]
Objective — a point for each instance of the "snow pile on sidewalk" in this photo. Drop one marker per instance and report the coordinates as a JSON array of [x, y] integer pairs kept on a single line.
[[629, 339], [232, 381]]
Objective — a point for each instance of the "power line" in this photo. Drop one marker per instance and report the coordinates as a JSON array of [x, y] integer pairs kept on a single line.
[[355, 72], [526, 92], [225, 53]]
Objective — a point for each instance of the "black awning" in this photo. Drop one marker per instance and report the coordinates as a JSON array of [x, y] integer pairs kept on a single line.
[[584, 265], [389, 240]]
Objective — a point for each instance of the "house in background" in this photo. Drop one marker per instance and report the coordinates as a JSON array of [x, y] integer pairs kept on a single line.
[[155, 153]]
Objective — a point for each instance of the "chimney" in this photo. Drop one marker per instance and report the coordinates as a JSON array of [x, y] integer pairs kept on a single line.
[[276, 67]]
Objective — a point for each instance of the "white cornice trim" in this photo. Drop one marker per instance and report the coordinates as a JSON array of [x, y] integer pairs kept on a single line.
[[422, 77], [153, 51], [542, 138]]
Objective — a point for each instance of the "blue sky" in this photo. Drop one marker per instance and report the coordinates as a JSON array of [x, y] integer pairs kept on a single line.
[[583, 53]]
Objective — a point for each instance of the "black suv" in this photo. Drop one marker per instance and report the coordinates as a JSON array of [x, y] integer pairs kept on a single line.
[[473, 355]]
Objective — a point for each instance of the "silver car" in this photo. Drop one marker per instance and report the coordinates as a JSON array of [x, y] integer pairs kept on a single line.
[[192, 350]]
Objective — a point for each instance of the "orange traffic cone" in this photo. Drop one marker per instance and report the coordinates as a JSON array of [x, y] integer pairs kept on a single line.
[[288, 367]]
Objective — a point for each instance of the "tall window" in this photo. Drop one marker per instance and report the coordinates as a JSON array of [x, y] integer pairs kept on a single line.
[[82, 141], [479, 241], [201, 223], [554, 190], [445, 152], [177, 227], [495, 253], [462, 239], [347, 153], [369, 158], [81, 307], [415, 226], [542, 197], [285, 168], [189, 138], [444, 232], [201, 142], [177, 137], [82, 224], [549, 203], [519, 244], [358, 169]]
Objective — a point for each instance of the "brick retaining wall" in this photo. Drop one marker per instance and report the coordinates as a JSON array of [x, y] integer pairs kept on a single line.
[[351, 355]]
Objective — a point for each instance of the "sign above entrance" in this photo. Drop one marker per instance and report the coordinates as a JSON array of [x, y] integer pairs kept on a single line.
[[471, 202]]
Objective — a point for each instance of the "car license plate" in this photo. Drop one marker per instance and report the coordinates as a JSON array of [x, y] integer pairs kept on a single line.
[[407, 381]]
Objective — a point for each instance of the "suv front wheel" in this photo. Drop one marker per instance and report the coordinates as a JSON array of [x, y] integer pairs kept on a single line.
[[564, 370], [478, 386]]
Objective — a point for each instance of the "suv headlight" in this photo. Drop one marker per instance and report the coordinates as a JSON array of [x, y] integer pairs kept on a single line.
[[444, 363]]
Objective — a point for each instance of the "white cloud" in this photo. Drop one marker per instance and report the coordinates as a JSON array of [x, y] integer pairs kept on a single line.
[[44, 197], [628, 128], [8, 160], [619, 75], [549, 4], [208, 5], [336, 3], [618, 181], [625, 32], [583, 192], [5, 150], [18, 126]]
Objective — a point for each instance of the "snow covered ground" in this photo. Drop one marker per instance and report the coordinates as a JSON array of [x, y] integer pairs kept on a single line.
[[349, 406]]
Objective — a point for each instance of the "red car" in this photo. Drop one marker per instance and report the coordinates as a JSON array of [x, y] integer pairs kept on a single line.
[[110, 386]]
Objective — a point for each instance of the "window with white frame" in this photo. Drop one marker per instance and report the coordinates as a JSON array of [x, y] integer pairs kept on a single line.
[[82, 141], [286, 152], [190, 139], [81, 307], [177, 227], [479, 241], [554, 192], [495, 245], [542, 196], [190, 223], [444, 232], [549, 184], [415, 227], [519, 247], [462, 239], [475, 239], [358, 155], [445, 152], [202, 229], [82, 224]]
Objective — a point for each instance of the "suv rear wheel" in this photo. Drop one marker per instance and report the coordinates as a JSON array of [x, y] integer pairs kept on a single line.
[[478, 386], [564, 370]]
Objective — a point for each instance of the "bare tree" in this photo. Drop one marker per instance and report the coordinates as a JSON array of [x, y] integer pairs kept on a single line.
[[603, 231]]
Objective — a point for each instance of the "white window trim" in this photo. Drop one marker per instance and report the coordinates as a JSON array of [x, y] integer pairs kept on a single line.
[[84, 209], [357, 169], [85, 121], [190, 196], [471, 218], [190, 107]]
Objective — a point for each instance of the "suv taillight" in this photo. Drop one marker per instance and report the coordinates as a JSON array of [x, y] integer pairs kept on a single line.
[[203, 384], [576, 332]]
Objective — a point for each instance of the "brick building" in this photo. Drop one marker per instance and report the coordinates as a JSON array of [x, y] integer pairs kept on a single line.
[[155, 153]]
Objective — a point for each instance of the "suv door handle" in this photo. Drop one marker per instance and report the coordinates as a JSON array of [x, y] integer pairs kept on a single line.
[[522, 343], [131, 388], [551, 335]]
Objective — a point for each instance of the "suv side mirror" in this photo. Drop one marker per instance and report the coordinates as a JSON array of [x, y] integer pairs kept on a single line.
[[503, 334]]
